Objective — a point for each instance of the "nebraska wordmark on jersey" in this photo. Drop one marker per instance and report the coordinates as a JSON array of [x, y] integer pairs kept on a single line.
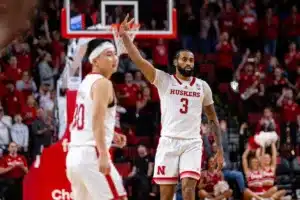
[[81, 126], [181, 104]]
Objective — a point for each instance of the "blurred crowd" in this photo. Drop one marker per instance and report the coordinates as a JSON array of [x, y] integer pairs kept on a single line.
[[248, 52]]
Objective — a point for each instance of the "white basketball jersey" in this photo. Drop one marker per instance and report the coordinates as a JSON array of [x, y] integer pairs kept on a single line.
[[181, 105], [81, 126]]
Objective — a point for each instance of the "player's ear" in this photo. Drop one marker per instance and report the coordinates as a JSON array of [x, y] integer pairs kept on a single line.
[[175, 62]]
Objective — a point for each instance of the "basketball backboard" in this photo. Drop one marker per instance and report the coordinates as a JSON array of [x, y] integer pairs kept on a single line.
[[157, 18]]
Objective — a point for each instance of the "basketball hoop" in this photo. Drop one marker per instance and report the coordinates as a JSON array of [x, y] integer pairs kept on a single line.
[[118, 40]]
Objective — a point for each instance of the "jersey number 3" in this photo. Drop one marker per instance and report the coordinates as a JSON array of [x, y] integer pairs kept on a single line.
[[79, 117], [185, 105]]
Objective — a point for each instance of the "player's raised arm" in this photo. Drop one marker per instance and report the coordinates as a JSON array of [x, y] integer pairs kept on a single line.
[[211, 114], [101, 94], [146, 67]]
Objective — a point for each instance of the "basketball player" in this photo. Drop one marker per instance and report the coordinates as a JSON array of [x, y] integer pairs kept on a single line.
[[89, 167], [182, 97]]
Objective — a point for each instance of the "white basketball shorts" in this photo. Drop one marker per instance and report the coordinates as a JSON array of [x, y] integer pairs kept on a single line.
[[177, 158], [86, 180]]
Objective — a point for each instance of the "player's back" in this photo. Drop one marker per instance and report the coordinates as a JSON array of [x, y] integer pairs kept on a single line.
[[181, 105], [82, 125]]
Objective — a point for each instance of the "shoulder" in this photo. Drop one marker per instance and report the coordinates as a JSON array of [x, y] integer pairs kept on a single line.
[[204, 85], [100, 82], [162, 74], [202, 82]]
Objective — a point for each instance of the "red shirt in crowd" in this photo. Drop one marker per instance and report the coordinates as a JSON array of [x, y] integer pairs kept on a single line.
[[160, 54], [13, 73], [27, 91], [292, 25], [16, 161], [13, 102], [24, 62], [290, 111], [154, 93], [225, 55], [248, 23], [131, 94], [228, 20], [29, 114], [3, 91], [297, 85], [271, 81], [292, 59], [269, 28], [57, 49], [246, 80]]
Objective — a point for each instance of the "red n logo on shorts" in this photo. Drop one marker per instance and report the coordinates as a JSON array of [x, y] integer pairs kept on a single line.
[[161, 170]]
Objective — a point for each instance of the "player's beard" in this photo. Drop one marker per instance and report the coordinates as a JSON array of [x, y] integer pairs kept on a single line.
[[184, 72]]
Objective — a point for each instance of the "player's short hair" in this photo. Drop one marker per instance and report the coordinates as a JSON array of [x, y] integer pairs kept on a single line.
[[180, 51], [93, 44]]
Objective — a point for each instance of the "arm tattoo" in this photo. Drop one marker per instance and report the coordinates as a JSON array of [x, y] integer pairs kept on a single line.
[[215, 127]]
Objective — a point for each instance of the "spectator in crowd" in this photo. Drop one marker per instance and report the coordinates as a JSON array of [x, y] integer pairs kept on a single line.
[[268, 164], [40, 131], [250, 88], [267, 122], [139, 79], [141, 174], [26, 85], [189, 28], [145, 113], [29, 111], [12, 72], [13, 101], [160, 55], [15, 167], [289, 111], [20, 134], [228, 172], [209, 29], [228, 18], [128, 94], [269, 29], [291, 24], [47, 73], [225, 50], [210, 180], [5, 124], [291, 58]]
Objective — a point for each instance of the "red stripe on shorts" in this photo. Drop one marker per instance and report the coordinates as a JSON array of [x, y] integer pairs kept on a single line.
[[112, 187], [111, 184]]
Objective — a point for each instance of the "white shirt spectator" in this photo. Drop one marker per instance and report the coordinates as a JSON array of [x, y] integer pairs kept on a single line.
[[22, 85], [46, 102], [4, 134], [20, 134]]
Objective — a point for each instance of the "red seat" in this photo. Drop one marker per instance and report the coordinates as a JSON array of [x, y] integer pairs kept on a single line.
[[123, 168], [130, 152], [211, 57], [206, 68], [253, 118], [224, 88], [199, 57], [145, 140]]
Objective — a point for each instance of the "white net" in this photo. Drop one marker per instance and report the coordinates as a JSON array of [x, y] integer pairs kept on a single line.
[[118, 40]]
